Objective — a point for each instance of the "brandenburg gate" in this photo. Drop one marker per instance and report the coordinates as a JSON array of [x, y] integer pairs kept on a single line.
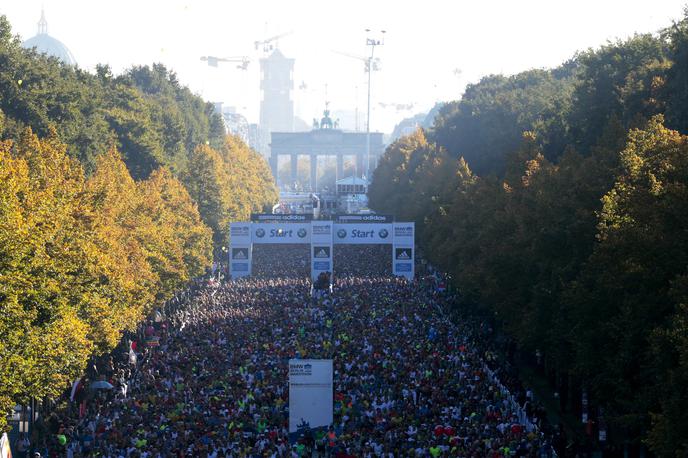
[[325, 141]]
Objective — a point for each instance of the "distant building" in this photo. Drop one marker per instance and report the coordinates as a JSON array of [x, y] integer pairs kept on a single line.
[[276, 106], [235, 123], [256, 139], [46, 44], [352, 194], [352, 185]]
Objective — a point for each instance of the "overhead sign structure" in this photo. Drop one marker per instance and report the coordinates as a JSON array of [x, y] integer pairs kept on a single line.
[[281, 232], [322, 236], [310, 396], [403, 250], [321, 248], [363, 233], [240, 250]]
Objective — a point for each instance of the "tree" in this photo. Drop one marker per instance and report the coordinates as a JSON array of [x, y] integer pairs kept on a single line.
[[623, 298], [82, 260], [675, 91], [114, 221], [621, 80], [228, 185], [487, 123], [177, 244], [391, 186], [153, 120], [207, 182], [46, 331], [250, 178]]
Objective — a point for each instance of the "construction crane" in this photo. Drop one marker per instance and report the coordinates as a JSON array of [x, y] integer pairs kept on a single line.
[[366, 61], [267, 42], [213, 61]]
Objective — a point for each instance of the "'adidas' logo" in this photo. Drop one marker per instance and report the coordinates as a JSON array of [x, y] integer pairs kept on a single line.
[[321, 254], [403, 255], [240, 255]]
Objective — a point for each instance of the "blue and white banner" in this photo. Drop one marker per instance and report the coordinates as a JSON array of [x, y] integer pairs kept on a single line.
[[321, 248], [363, 233], [281, 233], [403, 252], [240, 249], [310, 395]]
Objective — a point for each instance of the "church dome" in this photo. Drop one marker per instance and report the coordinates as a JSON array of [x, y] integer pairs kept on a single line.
[[44, 43]]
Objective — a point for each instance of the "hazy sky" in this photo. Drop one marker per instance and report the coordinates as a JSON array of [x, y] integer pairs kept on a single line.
[[426, 41]]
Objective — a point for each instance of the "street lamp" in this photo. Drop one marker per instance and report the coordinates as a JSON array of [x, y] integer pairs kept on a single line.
[[372, 42]]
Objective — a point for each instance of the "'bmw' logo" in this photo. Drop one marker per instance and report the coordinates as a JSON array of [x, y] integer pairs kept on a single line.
[[383, 233], [302, 233], [341, 233], [260, 232]]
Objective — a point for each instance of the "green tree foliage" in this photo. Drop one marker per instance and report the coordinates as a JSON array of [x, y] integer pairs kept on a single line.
[[486, 124], [630, 293], [251, 182], [676, 88], [153, 120], [228, 185], [207, 180], [410, 178], [573, 233], [620, 81]]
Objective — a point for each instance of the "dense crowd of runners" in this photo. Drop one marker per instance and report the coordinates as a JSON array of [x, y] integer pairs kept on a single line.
[[362, 260], [289, 260], [208, 377]]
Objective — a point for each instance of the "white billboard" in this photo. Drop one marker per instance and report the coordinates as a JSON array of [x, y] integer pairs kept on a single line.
[[403, 253], [281, 232], [240, 250], [321, 248], [363, 233], [240, 234], [310, 395]]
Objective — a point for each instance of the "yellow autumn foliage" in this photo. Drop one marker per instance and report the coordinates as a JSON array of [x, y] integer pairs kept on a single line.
[[82, 260]]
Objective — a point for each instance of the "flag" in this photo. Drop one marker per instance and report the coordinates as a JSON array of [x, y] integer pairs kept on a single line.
[[75, 386]]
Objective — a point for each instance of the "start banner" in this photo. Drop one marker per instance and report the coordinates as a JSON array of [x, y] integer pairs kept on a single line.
[[281, 232], [363, 233]]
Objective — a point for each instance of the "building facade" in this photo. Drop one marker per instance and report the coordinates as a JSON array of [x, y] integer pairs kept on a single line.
[[276, 105]]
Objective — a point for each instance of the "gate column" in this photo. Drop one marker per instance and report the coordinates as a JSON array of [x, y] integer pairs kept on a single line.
[[294, 168], [314, 172], [340, 166]]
